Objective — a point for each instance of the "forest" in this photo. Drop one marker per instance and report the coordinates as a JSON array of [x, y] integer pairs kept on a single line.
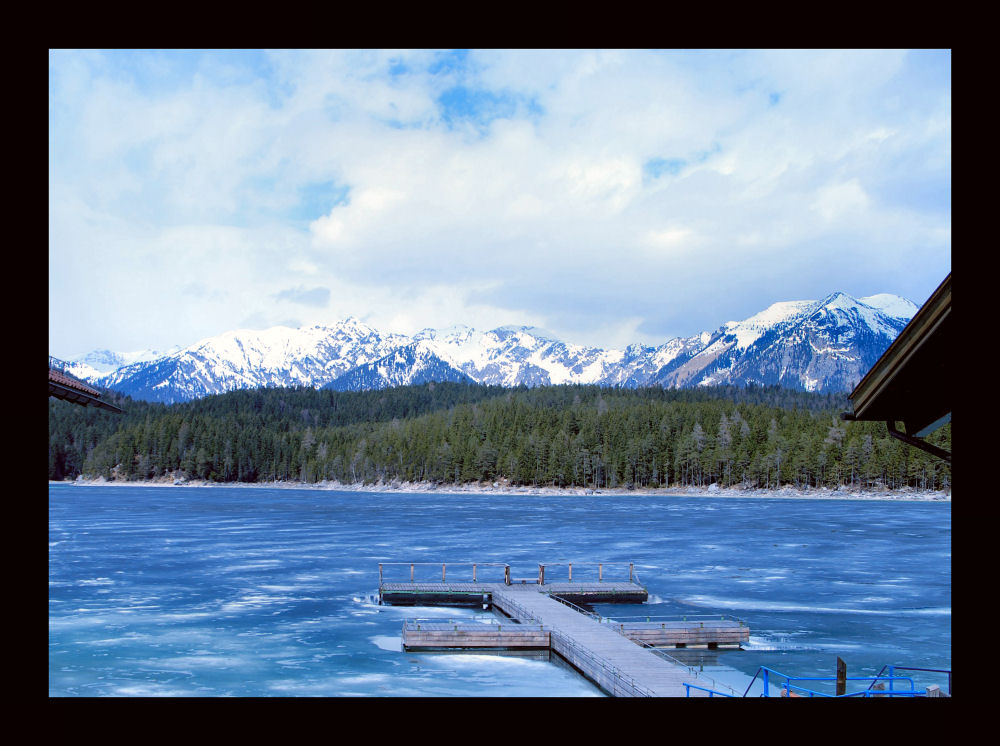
[[452, 433]]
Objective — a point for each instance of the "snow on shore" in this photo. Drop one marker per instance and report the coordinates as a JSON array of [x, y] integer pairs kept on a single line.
[[842, 493]]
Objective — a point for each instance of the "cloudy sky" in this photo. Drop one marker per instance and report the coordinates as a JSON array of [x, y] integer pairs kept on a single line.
[[609, 196]]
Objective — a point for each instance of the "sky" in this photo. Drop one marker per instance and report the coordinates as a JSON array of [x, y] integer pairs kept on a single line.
[[607, 196]]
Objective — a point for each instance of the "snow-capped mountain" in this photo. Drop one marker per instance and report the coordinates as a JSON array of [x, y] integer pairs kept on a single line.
[[824, 345], [411, 365], [98, 362], [243, 359], [512, 356]]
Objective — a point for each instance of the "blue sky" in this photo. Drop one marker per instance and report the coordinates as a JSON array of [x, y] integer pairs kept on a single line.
[[609, 196]]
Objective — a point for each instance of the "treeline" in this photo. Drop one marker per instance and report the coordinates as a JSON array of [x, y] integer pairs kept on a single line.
[[584, 436]]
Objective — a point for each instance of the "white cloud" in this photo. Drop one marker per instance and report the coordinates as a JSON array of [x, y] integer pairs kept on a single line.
[[670, 238], [839, 201], [581, 190]]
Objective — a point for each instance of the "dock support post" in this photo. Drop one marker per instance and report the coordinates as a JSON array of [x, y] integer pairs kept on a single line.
[[506, 575], [541, 574], [380, 573], [600, 573], [473, 573], [442, 572], [630, 568], [571, 572], [841, 677], [411, 572]]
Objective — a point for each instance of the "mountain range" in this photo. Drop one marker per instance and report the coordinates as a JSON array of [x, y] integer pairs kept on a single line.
[[825, 345]]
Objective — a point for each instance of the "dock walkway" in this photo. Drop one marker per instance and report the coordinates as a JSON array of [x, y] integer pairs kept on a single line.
[[607, 654], [612, 661]]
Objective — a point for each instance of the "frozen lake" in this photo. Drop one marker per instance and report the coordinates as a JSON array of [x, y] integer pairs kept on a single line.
[[236, 591]]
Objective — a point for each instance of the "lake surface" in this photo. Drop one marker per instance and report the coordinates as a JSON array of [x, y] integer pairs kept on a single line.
[[230, 591]]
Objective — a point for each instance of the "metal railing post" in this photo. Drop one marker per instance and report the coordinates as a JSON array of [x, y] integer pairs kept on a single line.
[[473, 572], [600, 572], [442, 572], [571, 572], [411, 572], [630, 568]]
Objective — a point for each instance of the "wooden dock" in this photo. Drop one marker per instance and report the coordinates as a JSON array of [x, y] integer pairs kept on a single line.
[[474, 594], [434, 634], [680, 634], [438, 635], [616, 657]]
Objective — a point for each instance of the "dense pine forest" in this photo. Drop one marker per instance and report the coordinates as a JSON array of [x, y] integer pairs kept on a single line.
[[565, 436]]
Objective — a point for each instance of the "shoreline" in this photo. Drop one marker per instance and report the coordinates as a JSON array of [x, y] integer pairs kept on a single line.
[[711, 491]]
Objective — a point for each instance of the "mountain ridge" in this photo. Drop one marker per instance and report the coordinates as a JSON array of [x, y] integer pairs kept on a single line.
[[822, 345]]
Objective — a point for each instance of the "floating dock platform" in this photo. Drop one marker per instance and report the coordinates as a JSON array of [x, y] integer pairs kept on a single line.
[[421, 634], [475, 594], [618, 657]]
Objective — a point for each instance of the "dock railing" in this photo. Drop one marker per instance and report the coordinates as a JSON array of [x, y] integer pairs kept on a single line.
[[715, 686], [617, 571], [543, 570], [462, 567], [704, 618], [651, 618], [431, 624], [592, 614], [655, 650], [568, 645]]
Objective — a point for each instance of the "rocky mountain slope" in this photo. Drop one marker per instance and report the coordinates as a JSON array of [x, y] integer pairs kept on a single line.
[[824, 345]]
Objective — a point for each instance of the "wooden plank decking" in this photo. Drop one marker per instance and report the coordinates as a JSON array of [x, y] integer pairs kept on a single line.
[[610, 660], [430, 635], [682, 634], [611, 655]]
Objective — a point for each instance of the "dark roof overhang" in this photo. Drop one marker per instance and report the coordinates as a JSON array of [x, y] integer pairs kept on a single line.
[[911, 382], [62, 386]]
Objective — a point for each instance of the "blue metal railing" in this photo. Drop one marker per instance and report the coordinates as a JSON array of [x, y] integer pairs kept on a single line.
[[893, 669], [711, 692], [791, 689], [797, 689]]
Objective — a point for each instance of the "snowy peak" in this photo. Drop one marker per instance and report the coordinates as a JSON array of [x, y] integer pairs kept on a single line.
[[243, 358], [748, 331], [814, 345], [855, 314], [99, 362], [412, 364], [892, 305], [523, 333], [457, 332]]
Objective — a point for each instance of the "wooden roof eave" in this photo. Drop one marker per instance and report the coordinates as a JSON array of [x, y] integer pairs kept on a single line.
[[77, 395], [910, 382]]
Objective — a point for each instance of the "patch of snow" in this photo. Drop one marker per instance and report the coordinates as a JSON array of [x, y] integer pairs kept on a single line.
[[750, 330], [891, 305]]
